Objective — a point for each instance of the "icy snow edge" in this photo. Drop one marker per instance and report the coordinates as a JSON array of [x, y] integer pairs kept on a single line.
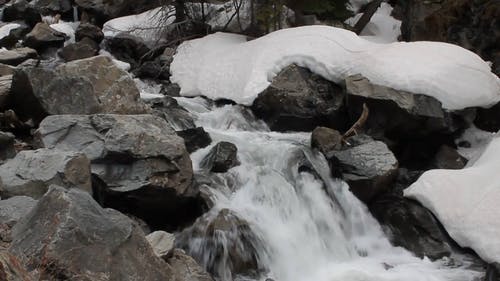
[[466, 201], [226, 66]]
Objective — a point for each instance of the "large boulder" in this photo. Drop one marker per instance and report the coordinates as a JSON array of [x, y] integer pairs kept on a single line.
[[17, 56], [299, 100], [411, 226], [225, 245], [88, 86], [43, 36], [69, 236], [185, 268], [368, 166], [31, 172], [222, 157], [142, 165]]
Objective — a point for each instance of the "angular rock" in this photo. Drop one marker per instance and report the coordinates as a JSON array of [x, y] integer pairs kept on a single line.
[[142, 165], [11, 268], [411, 226], [222, 157], [162, 243], [488, 119], [127, 48], [87, 30], [15, 208], [326, 140], [368, 166], [7, 149], [177, 116], [449, 158], [195, 138], [17, 56], [298, 100], [69, 236], [83, 49], [88, 86], [43, 37], [5, 85], [21, 10], [226, 244], [31, 172], [185, 268]]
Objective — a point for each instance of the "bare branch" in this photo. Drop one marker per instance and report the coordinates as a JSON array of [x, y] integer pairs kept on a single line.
[[359, 123]]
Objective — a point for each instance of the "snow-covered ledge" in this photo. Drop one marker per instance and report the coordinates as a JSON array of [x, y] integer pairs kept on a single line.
[[467, 201]]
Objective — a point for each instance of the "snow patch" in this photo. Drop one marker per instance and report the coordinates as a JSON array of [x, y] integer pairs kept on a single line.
[[466, 201], [5, 29], [226, 66], [382, 28]]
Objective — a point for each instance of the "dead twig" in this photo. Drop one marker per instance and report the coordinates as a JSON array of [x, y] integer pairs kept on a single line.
[[357, 125]]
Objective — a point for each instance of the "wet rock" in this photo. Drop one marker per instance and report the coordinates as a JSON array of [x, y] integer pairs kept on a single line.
[[222, 157], [17, 56], [326, 140], [368, 166], [449, 158], [411, 226], [88, 86], [15, 208], [177, 116], [43, 37], [488, 119], [31, 172], [7, 149], [195, 138], [21, 10], [69, 236], [11, 268], [162, 243], [83, 49], [5, 84], [127, 48], [87, 30], [185, 268], [298, 100], [226, 245], [142, 165]]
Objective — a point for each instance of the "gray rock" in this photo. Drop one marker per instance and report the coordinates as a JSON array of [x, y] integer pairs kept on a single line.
[[143, 165], [185, 268], [162, 243], [369, 167], [222, 157], [68, 235], [326, 140], [299, 100], [17, 56], [83, 49], [15, 208], [7, 149], [5, 85], [87, 30], [43, 37], [31, 172], [411, 226], [87, 86]]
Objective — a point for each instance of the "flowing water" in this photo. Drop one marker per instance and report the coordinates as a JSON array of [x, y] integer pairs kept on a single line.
[[306, 225]]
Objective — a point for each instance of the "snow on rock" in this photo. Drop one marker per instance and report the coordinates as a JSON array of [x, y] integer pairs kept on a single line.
[[125, 66], [147, 25], [227, 66], [5, 29], [68, 28], [382, 28], [466, 202]]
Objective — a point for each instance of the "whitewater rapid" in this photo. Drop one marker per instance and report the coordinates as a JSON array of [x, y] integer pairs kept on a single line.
[[309, 226]]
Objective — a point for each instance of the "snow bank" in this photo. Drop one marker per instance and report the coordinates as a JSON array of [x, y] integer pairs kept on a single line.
[[226, 66], [147, 25], [382, 28], [5, 29], [466, 202]]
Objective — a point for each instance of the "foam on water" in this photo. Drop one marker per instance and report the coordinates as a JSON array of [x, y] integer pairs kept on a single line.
[[308, 225]]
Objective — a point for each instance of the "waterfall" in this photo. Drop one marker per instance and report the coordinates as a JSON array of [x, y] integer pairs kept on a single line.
[[305, 225]]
